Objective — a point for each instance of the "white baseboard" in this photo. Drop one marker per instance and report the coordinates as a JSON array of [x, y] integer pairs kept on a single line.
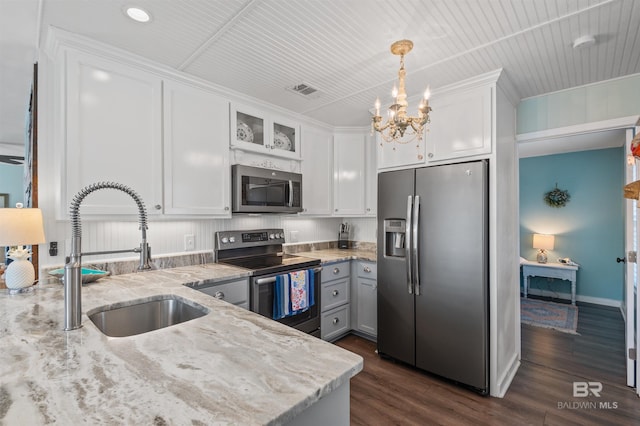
[[503, 382], [579, 298]]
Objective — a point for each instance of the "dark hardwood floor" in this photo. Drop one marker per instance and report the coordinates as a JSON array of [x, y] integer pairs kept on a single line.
[[390, 393]]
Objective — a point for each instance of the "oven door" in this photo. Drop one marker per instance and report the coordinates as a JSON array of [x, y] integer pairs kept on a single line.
[[262, 294]]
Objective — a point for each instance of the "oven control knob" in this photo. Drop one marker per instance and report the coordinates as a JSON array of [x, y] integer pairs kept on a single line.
[[225, 240], [280, 235], [232, 239], [271, 236]]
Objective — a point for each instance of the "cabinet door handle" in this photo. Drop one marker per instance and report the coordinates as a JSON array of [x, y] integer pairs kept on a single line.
[[157, 206], [336, 270], [367, 269], [219, 295], [336, 292], [226, 208], [430, 155], [336, 320]]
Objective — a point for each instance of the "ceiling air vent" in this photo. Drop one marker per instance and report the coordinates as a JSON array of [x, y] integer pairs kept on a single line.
[[303, 89]]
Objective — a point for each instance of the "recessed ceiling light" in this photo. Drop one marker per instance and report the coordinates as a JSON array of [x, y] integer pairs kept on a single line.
[[584, 41], [137, 14]]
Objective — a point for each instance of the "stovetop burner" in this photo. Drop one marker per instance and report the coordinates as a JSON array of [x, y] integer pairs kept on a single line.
[[258, 250]]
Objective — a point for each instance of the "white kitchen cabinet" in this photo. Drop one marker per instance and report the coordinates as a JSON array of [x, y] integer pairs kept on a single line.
[[371, 177], [460, 124], [366, 298], [335, 316], [113, 128], [196, 154], [284, 138], [254, 130], [317, 164], [407, 152], [349, 174]]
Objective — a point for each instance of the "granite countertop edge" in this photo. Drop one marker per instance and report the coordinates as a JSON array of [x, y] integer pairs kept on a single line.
[[35, 319]]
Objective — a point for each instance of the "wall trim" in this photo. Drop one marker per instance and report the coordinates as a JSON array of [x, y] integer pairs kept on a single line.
[[579, 298], [505, 380], [579, 129]]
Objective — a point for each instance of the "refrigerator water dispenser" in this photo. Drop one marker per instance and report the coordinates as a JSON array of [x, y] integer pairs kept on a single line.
[[394, 241]]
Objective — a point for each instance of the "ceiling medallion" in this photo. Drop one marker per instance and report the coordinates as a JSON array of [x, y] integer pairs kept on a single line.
[[398, 121]]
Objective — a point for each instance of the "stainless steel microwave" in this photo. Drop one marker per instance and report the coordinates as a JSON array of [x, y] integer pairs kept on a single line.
[[258, 190]]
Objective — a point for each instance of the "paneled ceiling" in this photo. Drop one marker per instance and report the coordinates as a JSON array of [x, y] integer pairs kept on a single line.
[[340, 47]]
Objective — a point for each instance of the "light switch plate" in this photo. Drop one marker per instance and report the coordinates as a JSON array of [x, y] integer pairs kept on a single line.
[[189, 242], [294, 236]]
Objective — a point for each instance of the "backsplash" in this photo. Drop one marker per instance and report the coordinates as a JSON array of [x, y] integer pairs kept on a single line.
[[118, 267], [166, 238], [324, 245]]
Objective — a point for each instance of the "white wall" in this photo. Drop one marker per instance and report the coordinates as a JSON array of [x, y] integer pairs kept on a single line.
[[167, 237]]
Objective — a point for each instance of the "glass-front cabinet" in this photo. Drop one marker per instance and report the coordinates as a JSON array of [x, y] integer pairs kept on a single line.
[[255, 131]]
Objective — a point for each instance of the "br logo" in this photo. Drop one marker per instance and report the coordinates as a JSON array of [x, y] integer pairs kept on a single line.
[[584, 389]]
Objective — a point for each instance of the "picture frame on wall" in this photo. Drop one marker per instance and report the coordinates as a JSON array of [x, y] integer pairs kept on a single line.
[[4, 200]]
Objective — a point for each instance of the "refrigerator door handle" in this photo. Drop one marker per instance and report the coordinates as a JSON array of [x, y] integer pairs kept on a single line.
[[415, 241], [407, 244]]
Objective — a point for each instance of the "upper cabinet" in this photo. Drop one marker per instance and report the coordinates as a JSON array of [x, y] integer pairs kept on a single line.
[[406, 152], [349, 174], [460, 124], [255, 130], [113, 127], [317, 164], [196, 159], [371, 177]]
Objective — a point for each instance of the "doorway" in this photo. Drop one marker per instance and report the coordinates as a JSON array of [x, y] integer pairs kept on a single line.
[[589, 149]]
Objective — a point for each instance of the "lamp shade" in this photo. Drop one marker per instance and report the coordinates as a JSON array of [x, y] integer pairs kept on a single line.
[[542, 241], [21, 227]]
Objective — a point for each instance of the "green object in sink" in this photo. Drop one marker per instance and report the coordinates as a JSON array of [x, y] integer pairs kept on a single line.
[[143, 315], [88, 275]]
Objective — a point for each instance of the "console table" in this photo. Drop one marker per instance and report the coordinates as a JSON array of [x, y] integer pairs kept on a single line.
[[549, 270]]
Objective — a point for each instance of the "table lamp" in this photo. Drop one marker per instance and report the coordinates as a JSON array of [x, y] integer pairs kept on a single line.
[[542, 242], [20, 227]]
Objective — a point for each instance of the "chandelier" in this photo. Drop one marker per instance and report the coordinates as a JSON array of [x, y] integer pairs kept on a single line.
[[398, 121]]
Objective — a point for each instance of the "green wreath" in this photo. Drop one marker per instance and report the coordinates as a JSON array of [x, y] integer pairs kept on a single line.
[[557, 197]]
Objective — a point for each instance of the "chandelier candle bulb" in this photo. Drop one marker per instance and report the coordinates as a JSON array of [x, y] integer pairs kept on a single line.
[[377, 105]]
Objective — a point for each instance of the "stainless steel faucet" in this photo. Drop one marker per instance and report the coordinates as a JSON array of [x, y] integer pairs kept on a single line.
[[73, 267]]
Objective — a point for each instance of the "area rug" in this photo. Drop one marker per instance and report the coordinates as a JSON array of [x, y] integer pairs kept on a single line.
[[557, 316]]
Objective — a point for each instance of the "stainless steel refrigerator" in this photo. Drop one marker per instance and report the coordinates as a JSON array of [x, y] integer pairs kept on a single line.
[[433, 270]]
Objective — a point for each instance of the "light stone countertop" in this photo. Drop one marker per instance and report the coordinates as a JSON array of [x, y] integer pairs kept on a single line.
[[339, 255], [229, 367]]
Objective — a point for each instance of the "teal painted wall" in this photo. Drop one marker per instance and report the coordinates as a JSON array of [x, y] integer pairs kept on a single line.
[[589, 229], [11, 182]]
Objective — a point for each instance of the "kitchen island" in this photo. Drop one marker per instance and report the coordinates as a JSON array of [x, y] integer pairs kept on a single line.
[[230, 366]]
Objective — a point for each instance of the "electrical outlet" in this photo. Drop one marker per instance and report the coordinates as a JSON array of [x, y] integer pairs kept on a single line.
[[294, 236], [189, 242], [53, 248]]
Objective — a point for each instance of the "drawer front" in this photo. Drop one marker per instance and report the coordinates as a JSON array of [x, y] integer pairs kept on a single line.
[[334, 293], [235, 292], [367, 269], [335, 322], [335, 271]]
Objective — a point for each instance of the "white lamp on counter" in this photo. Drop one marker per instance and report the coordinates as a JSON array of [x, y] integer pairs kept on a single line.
[[20, 227], [543, 242]]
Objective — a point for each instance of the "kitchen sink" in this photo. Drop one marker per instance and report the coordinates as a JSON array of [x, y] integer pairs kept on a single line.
[[144, 315]]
